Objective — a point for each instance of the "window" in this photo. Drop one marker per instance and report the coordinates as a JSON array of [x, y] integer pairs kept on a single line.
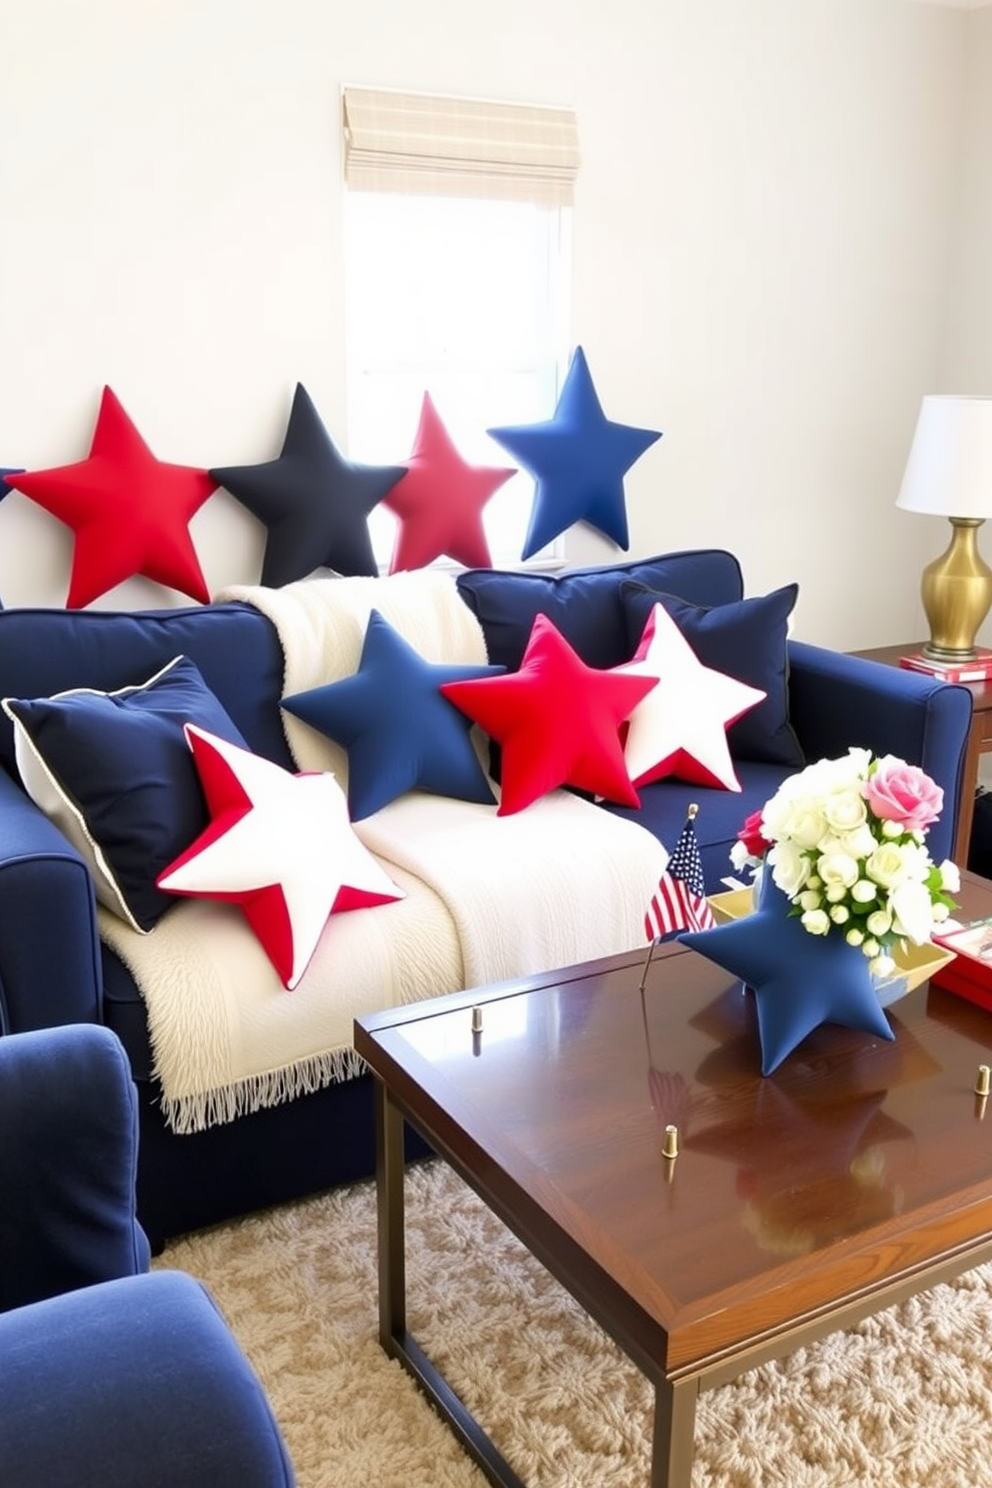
[[457, 263]]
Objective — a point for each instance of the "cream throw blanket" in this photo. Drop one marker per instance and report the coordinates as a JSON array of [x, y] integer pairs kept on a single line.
[[488, 897]]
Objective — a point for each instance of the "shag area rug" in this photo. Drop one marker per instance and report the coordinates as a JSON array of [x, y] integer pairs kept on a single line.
[[903, 1400]]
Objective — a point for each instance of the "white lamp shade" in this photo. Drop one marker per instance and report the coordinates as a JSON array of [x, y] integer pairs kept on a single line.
[[949, 470]]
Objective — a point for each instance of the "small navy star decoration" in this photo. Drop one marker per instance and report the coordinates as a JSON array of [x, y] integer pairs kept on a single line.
[[578, 459], [799, 980]]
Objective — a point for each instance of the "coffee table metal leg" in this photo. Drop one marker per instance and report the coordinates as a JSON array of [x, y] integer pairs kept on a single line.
[[389, 1200], [674, 1433], [393, 1335]]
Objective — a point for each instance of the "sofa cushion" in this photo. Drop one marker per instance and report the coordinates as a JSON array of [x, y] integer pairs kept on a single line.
[[400, 732], [665, 804], [44, 651], [746, 639], [281, 846], [557, 720], [114, 771], [680, 727], [585, 604]]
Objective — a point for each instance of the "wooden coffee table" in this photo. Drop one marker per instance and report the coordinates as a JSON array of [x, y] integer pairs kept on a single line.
[[856, 1175]]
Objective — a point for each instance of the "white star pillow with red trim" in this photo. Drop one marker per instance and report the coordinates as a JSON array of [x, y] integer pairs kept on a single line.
[[680, 727], [279, 845]]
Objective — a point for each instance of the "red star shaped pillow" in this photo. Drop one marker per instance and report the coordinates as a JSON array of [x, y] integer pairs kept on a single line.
[[281, 846], [680, 728], [130, 512], [557, 719], [439, 500]]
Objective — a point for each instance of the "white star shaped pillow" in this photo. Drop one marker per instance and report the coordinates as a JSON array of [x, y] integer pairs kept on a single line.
[[279, 845], [680, 727]]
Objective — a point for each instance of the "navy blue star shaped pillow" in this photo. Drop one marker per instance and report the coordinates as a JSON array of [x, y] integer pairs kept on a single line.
[[799, 980], [6, 470], [401, 734], [313, 501], [578, 459]]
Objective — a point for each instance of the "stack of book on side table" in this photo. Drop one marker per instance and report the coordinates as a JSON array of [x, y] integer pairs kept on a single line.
[[969, 973], [977, 669]]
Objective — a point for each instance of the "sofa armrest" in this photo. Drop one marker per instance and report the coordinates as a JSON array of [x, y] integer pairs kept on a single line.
[[49, 946], [837, 700], [68, 1161], [137, 1382]]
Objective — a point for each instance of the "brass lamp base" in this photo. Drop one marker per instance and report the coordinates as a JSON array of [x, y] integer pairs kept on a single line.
[[957, 594]]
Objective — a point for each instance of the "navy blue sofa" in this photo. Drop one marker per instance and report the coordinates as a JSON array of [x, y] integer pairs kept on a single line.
[[54, 970]]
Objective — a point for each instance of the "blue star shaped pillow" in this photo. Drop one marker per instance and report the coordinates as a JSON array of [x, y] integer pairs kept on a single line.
[[401, 734], [578, 459], [6, 470], [799, 980]]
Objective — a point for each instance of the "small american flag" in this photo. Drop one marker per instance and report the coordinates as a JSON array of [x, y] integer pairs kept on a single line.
[[679, 902]]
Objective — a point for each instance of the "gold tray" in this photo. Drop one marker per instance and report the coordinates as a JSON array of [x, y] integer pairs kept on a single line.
[[916, 964]]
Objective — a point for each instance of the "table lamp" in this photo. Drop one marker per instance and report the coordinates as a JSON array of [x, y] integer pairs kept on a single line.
[[949, 474]]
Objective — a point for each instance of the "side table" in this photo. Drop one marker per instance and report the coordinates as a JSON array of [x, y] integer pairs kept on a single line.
[[979, 741]]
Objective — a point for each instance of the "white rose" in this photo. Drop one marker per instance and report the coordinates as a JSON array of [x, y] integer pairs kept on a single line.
[[912, 911], [739, 857], [861, 842], [854, 936], [882, 966], [940, 913], [863, 892], [857, 843], [950, 876], [810, 899], [846, 773], [774, 816], [888, 865], [837, 869], [845, 810], [790, 867], [917, 860], [815, 921], [840, 914], [804, 825]]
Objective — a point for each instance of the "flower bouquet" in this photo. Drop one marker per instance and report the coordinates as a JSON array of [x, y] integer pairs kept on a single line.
[[845, 841]]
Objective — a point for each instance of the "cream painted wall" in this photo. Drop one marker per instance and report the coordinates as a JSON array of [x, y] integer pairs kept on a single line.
[[762, 246], [967, 352]]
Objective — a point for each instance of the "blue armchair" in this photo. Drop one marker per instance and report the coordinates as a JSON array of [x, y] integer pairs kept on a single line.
[[109, 1374]]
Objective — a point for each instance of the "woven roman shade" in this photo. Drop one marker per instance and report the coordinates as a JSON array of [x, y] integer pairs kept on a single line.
[[439, 146]]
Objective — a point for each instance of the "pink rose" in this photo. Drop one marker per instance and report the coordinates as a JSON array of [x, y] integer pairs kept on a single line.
[[902, 793], [751, 836]]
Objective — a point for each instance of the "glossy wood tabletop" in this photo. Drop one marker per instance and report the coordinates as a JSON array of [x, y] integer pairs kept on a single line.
[[858, 1163]]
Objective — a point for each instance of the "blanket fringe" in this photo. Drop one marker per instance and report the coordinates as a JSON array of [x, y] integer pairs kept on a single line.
[[185, 1114]]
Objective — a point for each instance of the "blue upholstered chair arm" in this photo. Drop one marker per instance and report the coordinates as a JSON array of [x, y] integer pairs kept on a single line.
[[111, 1376], [134, 1383], [837, 700], [68, 1162], [49, 946]]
